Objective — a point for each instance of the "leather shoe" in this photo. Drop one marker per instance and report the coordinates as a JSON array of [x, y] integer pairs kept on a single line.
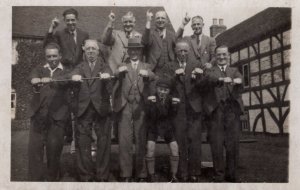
[[142, 180], [194, 179], [174, 179], [152, 178], [126, 179], [184, 179]]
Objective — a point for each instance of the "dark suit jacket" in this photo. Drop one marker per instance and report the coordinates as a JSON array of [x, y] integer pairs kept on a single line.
[[185, 86], [203, 54], [71, 52], [215, 89], [153, 46], [52, 99], [94, 91], [125, 83]]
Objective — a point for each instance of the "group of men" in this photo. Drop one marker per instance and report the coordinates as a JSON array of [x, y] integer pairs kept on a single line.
[[158, 83]]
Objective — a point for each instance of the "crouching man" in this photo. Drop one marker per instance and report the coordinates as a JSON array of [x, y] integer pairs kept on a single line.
[[130, 93], [48, 113], [161, 110], [94, 109]]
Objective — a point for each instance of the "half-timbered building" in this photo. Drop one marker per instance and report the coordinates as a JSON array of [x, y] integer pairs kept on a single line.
[[260, 47]]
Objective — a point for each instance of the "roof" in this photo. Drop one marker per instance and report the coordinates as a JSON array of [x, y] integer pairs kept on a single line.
[[261, 25], [34, 21]]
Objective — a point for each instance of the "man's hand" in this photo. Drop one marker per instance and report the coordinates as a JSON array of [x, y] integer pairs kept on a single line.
[[104, 76], [186, 20], [175, 101], [152, 98], [237, 81], [46, 80], [180, 72], [112, 17], [208, 65], [122, 69], [54, 24], [149, 16], [228, 80], [35, 80], [143, 73], [195, 72], [77, 78]]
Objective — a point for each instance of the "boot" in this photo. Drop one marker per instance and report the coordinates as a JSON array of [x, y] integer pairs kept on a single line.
[[174, 167]]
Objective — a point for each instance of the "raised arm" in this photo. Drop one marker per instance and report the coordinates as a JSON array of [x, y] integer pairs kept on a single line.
[[107, 36], [51, 36]]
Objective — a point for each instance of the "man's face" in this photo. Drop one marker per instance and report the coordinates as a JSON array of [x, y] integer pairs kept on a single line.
[[71, 20], [91, 50], [128, 23], [162, 92], [161, 20], [52, 57], [134, 53], [182, 51], [197, 25], [222, 56]]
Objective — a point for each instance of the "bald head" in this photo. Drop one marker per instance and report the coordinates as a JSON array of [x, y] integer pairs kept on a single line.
[[161, 20]]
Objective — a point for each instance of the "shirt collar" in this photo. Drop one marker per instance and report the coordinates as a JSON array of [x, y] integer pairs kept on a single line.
[[134, 62], [180, 63], [59, 66], [163, 32], [220, 66]]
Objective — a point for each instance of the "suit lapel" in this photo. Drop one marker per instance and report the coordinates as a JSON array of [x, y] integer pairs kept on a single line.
[[158, 39], [123, 38], [194, 45], [70, 41], [203, 44]]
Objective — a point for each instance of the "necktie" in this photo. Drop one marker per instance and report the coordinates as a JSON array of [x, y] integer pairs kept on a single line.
[[73, 36], [127, 35], [198, 40], [223, 69], [92, 65]]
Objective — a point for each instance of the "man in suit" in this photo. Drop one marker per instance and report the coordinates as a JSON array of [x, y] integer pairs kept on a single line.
[[93, 112], [188, 79], [223, 105], [117, 40], [48, 114], [159, 43], [202, 46], [130, 94], [70, 39]]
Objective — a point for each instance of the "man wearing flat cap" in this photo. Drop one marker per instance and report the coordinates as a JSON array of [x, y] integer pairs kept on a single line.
[[130, 93]]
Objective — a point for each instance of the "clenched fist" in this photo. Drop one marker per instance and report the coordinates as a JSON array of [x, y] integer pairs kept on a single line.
[[46, 80], [152, 98], [228, 80], [175, 100], [237, 81], [35, 80], [186, 19], [179, 71], [77, 78], [104, 76], [112, 16], [122, 69], [149, 16], [143, 73]]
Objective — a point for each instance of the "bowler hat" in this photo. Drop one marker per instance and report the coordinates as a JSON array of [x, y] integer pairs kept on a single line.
[[134, 43]]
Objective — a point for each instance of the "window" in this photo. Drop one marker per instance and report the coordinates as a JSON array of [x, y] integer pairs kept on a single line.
[[13, 103], [246, 75]]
